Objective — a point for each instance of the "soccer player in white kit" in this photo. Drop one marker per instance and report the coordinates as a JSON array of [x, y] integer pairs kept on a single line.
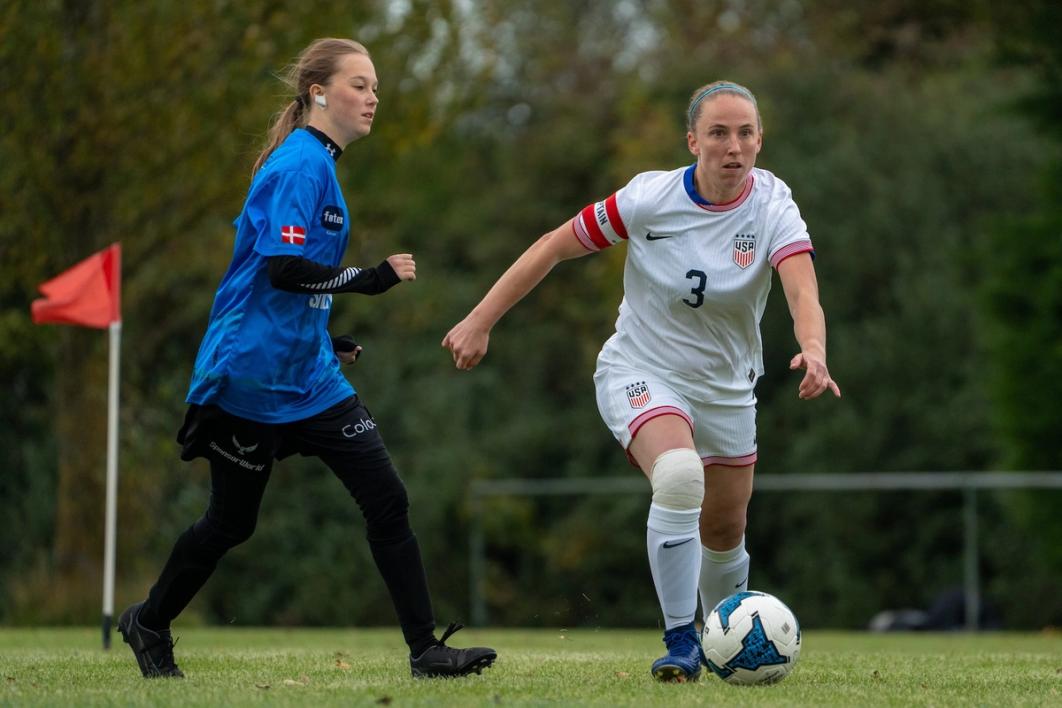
[[675, 383]]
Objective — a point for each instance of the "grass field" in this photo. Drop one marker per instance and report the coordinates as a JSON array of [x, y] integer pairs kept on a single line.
[[308, 667]]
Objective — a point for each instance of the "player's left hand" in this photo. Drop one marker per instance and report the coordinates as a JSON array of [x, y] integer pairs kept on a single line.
[[346, 349], [816, 376], [349, 357]]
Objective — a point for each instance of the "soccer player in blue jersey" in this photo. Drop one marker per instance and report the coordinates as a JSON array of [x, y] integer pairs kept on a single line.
[[267, 382]]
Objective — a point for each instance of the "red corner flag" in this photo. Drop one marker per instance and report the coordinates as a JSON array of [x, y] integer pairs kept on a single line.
[[88, 294]]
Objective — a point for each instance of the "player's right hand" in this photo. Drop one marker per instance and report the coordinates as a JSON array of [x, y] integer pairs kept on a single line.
[[404, 266], [468, 343]]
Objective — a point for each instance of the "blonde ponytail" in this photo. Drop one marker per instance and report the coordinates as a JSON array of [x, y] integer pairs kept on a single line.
[[286, 121]]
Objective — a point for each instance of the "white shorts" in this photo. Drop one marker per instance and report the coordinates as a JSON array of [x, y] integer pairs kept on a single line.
[[724, 432]]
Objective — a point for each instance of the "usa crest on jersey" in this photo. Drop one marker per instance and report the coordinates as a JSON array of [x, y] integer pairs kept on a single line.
[[638, 395], [744, 250]]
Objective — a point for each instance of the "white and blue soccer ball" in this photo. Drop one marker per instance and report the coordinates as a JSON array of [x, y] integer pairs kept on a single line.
[[751, 638]]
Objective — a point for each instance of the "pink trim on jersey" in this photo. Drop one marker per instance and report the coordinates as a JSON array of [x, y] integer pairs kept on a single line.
[[614, 217], [734, 204], [790, 250], [636, 424], [743, 461]]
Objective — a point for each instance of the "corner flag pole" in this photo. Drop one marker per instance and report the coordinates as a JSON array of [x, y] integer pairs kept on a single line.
[[89, 294], [110, 524]]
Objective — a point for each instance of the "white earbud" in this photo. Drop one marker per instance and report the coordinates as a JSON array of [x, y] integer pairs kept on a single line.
[[320, 100]]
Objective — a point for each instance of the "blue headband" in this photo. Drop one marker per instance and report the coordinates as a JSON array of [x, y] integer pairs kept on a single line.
[[740, 90]]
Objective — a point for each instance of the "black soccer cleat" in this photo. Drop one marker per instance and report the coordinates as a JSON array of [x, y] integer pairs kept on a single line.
[[153, 650], [441, 661]]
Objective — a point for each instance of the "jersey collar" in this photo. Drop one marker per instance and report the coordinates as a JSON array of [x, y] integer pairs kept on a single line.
[[330, 145], [691, 190]]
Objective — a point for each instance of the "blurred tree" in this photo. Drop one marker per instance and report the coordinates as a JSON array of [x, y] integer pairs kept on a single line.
[[1021, 301], [51, 180], [133, 127], [139, 122]]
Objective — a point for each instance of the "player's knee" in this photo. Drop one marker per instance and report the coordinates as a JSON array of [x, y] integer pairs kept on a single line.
[[390, 527], [218, 537], [390, 500], [386, 511], [678, 479], [389, 531], [722, 531]]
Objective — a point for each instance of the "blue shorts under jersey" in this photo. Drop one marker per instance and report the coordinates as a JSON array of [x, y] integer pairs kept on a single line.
[[267, 355]]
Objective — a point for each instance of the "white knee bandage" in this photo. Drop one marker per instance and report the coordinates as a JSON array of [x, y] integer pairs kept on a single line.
[[678, 480]]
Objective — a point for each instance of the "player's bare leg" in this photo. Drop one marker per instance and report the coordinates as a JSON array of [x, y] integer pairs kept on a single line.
[[725, 562]]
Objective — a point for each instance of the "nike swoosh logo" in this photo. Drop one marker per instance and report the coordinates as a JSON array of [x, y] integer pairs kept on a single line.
[[673, 544], [650, 237], [742, 583]]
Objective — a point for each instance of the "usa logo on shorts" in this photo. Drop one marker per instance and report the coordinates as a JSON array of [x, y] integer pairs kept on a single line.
[[638, 394], [744, 250]]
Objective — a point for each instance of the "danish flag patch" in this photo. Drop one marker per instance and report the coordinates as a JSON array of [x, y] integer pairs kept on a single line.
[[293, 234]]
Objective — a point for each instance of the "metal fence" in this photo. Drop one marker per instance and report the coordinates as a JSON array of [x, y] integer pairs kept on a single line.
[[967, 482]]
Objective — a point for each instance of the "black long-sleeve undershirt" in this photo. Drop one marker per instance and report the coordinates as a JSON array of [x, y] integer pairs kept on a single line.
[[295, 274]]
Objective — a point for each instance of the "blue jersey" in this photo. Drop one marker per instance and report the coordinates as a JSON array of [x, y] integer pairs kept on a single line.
[[267, 355]]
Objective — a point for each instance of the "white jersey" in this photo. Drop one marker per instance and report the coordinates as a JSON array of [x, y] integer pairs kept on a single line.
[[697, 275]]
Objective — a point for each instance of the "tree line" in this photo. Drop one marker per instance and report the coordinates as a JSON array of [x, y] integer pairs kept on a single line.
[[921, 141]]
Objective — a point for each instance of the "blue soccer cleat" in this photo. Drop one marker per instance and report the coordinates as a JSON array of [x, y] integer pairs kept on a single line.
[[684, 656]]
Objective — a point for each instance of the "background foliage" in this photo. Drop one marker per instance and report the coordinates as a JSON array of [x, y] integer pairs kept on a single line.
[[920, 140]]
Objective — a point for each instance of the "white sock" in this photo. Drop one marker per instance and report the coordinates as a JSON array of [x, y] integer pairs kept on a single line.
[[723, 573], [673, 541]]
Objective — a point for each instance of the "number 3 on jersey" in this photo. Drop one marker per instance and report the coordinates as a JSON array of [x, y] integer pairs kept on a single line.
[[697, 290]]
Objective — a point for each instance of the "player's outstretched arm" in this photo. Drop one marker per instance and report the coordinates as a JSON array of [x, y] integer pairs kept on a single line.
[[809, 325], [295, 274], [468, 339]]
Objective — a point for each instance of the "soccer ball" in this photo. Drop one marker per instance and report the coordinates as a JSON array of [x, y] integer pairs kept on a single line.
[[751, 638]]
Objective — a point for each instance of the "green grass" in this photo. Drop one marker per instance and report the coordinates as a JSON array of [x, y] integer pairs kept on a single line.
[[308, 667]]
